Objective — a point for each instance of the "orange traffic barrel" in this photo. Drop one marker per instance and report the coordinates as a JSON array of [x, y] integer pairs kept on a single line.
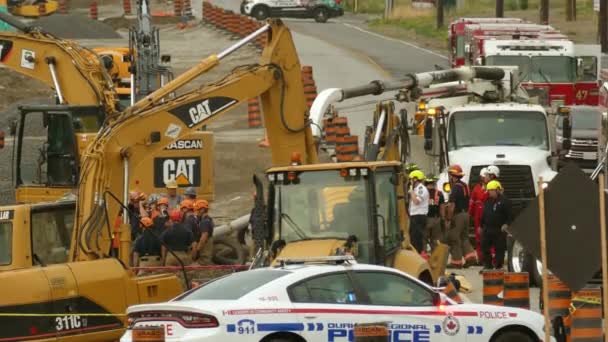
[[452, 293], [559, 297], [587, 316], [93, 10], [341, 127], [307, 72], [310, 93], [347, 148], [177, 7], [329, 128], [242, 26], [233, 24], [517, 290], [492, 286], [254, 114]]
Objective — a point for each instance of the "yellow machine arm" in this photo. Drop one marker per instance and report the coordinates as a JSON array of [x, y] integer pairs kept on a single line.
[[74, 72], [115, 157]]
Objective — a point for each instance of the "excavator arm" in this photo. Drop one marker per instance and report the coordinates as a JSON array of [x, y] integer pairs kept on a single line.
[[74, 72], [112, 162]]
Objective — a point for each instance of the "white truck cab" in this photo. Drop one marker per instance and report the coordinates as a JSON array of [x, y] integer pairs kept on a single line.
[[515, 137]]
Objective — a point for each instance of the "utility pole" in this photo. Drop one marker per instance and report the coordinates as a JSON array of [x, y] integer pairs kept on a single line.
[[603, 25], [439, 13], [388, 8], [500, 8], [544, 12]]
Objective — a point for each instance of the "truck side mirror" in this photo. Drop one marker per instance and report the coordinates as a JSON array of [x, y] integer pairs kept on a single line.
[[428, 134]]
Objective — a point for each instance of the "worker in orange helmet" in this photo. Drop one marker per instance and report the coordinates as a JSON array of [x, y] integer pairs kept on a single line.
[[457, 221], [178, 240], [162, 219], [147, 251], [135, 209], [204, 246]]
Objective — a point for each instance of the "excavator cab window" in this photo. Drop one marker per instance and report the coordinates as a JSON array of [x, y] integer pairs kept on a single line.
[[6, 242], [51, 233], [47, 152], [387, 212]]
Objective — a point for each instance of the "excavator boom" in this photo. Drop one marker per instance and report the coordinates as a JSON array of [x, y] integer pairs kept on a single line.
[[74, 72], [109, 164]]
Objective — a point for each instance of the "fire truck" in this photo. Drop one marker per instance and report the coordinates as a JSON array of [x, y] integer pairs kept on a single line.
[[456, 35], [555, 71]]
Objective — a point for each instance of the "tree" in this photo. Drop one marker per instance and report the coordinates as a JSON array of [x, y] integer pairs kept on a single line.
[[440, 13]]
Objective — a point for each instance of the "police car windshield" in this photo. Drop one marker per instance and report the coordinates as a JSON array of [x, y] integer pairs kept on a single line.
[[234, 286], [497, 128], [321, 205], [6, 229]]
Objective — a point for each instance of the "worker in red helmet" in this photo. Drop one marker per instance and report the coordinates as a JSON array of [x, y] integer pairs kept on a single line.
[[457, 221], [177, 241]]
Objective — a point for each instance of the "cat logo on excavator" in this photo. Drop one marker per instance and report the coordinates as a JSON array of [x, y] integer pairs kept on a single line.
[[184, 171]]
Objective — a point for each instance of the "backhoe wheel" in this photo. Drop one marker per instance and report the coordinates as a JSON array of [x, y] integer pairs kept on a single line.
[[321, 15], [261, 13], [512, 336], [519, 260]]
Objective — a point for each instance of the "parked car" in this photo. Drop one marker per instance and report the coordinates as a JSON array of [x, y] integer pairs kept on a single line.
[[323, 302], [585, 123], [320, 10]]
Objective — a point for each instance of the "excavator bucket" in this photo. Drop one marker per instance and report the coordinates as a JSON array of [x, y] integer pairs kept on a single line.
[[438, 260]]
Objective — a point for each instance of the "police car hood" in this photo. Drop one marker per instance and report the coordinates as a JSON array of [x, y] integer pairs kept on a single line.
[[536, 158], [311, 248]]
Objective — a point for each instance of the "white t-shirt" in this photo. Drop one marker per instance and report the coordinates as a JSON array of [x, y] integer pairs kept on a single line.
[[422, 194]]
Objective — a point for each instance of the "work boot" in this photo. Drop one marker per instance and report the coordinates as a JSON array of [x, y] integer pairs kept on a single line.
[[471, 262]]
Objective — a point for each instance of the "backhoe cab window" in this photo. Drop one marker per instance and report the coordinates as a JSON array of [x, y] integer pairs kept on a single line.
[[47, 151], [51, 234], [6, 244], [324, 205]]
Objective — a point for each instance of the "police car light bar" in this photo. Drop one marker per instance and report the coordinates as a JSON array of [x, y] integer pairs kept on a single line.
[[337, 259]]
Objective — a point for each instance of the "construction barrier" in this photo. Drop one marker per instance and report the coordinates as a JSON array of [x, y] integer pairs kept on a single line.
[[452, 293], [560, 297], [341, 127], [93, 13], [254, 113], [126, 7], [517, 290], [586, 317], [177, 8], [329, 128], [187, 9], [347, 148], [492, 286]]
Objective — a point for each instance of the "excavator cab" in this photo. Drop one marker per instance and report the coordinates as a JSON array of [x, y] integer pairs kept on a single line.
[[46, 156]]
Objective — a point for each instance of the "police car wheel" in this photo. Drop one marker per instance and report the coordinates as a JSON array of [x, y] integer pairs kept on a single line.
[[321, 15], [260, 12], [510, 336]]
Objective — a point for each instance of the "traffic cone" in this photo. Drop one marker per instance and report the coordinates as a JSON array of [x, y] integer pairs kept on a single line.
[[126, 7]]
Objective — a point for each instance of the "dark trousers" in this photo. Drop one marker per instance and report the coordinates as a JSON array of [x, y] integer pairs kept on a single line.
[[417, 228], [496, 239]]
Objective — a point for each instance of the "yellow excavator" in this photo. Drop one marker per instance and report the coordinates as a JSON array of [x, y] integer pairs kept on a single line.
[[48, 152], [31, 8]]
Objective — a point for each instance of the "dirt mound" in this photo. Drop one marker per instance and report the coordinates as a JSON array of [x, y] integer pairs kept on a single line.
[[75, 26]]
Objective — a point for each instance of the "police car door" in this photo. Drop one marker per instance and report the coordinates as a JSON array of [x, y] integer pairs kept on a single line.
[[328, 306], [408, 306]]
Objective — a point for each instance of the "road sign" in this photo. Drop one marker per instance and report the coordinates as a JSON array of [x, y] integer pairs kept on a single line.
[[573, 227]]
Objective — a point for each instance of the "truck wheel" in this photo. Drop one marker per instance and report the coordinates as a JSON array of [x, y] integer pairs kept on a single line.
[[260, 12], [519, 260], [321, 15]]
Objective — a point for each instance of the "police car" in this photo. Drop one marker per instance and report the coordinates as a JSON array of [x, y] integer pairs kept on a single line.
[[323, 302], [320, 10]]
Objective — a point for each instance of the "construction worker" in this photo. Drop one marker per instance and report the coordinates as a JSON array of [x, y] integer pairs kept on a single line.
[[135, 199], [190, 193], [493, 172], [178, 239], [190, 219], [204, 247], [457, 221], [172, 195], [476, 203], [147, 250], [496, 217], [436, 214], [149, 208], [163, 215], [418, 208]]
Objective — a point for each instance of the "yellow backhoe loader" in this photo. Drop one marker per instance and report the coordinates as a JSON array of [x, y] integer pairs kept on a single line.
[[82, 83]]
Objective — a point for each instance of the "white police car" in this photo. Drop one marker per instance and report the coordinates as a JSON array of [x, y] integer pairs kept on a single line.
[[320, 10], [323, 302]]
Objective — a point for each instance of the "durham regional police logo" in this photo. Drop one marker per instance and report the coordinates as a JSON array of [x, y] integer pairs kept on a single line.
[[451, 326]]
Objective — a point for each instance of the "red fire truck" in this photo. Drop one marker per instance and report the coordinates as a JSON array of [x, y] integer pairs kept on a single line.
[[456, 35]]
